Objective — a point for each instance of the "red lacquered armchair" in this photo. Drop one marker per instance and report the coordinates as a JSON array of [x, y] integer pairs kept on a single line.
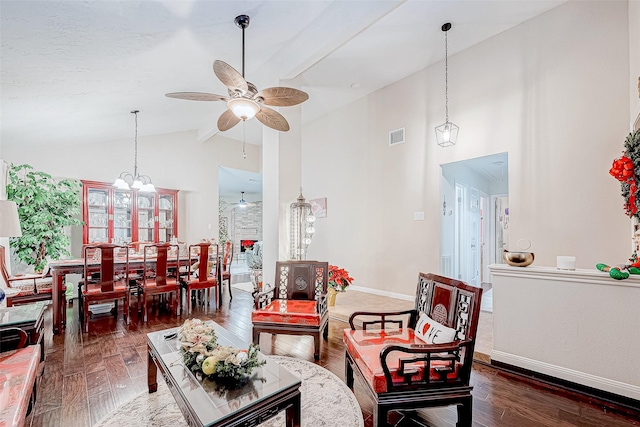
[[32, 287], [417, 358], [297, 305]]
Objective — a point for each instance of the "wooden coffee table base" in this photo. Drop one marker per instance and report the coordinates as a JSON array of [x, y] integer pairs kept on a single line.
[[288, 400]]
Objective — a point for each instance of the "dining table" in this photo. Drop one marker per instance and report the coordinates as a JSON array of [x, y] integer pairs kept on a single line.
[[60, 269]]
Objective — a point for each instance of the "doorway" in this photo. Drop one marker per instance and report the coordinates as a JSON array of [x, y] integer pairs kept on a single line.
[[475, 231], [240, 211]]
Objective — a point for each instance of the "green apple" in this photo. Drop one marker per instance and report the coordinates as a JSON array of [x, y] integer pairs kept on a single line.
[[209, 365]]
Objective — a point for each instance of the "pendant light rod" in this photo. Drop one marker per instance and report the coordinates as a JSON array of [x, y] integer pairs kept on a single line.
[[242, 21], [446, 27], [135, 139]]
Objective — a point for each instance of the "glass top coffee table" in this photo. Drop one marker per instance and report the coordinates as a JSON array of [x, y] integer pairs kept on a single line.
[[29, 318], [270, 389]]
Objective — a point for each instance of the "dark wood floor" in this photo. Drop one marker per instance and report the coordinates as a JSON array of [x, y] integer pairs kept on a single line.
[[88, 375]]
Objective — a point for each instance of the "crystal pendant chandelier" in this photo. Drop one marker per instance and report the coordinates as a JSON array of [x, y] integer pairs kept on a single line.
[[126, 180], [301, 228], [446, 133]]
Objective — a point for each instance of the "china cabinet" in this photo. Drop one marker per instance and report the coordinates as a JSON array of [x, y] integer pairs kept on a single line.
[[125, 216]]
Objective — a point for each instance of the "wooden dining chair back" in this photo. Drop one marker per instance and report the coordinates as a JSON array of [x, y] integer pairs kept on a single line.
[[297, 305], [32, 287], [417, 358], [203, 274], [160, 276], [103, 279], [225, 272]]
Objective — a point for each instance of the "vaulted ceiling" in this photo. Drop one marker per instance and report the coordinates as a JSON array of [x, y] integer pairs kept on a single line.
[[72, 70]]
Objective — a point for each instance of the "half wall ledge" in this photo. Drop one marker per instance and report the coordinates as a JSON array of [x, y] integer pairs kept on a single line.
[[580, 326]]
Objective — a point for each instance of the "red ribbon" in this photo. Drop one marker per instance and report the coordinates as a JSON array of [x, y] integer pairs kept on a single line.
[[622, 170]]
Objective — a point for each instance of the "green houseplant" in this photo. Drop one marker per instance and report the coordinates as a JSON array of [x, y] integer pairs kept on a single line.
[[45, 207]]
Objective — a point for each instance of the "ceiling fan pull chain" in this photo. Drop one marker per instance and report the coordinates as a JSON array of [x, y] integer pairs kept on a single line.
[[244, 139]]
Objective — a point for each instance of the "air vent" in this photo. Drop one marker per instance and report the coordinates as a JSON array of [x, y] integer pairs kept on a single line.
[[396, 137]]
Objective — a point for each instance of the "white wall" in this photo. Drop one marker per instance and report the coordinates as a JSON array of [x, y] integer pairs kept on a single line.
[[552, 92], [175, 161]]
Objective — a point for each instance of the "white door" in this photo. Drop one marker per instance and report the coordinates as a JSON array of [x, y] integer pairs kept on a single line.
[[467, 237]]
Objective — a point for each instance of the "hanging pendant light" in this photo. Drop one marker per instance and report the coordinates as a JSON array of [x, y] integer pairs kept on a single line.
[[126, 180], [446, 133]]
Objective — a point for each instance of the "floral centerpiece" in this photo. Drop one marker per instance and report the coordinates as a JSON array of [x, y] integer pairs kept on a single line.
[[205, 357]]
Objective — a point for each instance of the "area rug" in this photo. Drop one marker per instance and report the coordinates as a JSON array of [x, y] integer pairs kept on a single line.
[[326, 402], [244, 286]]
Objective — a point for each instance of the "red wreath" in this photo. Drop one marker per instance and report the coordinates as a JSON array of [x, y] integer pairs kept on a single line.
[[622, 170]]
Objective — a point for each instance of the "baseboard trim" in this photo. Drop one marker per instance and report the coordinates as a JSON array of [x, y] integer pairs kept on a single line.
[[383, 293], [617, 396]]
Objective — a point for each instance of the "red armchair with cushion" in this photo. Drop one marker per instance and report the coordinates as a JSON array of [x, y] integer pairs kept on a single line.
[[417, 358], [32, 287], [298, 303]]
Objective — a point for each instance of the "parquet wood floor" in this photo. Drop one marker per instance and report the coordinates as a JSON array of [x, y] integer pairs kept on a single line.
[[88, 375]]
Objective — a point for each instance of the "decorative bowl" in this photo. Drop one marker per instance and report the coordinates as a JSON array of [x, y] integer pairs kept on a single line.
[[518, 259]]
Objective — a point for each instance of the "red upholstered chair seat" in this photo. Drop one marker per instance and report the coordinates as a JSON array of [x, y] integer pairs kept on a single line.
[[196, 284], [96, 289], [296, 312], [26, 286], [170, 281], [365, 347]]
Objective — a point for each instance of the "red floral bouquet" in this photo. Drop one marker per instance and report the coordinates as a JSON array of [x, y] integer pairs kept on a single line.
[[247, 244], [339, 278]]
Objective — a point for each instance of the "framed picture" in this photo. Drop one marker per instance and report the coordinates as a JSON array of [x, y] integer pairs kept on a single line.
[[319, 207]]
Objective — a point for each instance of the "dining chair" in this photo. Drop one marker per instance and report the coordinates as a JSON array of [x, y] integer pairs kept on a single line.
[[32, 287], [160, 276], [226, 266], [204, 276], [104, 280]]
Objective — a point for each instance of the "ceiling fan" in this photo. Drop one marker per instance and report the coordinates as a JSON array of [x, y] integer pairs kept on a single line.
[[245, 101], [242, 203]]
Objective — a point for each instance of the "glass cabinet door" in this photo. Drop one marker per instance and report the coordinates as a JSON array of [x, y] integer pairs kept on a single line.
[[166, 217], [98, 215], [122, 202], [146, 217]]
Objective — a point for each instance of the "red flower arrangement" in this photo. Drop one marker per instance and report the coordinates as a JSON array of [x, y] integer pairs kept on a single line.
[[247, 244], [339, 278]]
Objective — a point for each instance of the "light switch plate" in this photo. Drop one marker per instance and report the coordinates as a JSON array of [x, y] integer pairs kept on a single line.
[[418, 216]]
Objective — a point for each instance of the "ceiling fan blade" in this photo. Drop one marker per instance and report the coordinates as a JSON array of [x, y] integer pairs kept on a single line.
[[273, 119], [230, 77], [197, 96], [227, 120], [282, 96]]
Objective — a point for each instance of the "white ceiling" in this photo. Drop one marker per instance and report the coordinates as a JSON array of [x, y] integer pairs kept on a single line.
[[73, 70], [232, 182]]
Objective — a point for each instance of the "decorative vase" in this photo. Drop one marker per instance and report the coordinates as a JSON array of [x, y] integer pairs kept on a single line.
[[331, 297]]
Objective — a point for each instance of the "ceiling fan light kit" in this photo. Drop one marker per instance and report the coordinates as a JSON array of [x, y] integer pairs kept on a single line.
[[446, 133], [243, 108], [245, 101]]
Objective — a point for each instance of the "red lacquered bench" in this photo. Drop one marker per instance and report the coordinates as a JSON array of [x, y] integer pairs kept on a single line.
[[18, 373]]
